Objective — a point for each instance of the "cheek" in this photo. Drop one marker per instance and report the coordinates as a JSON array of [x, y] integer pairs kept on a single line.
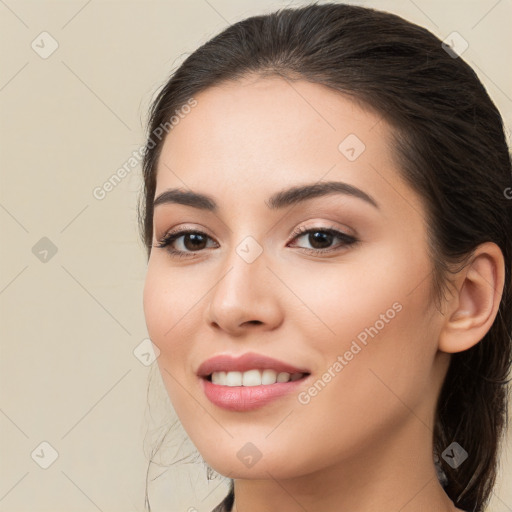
[[155, 308], [384, 376], [375, 315], [342, 299], [165, 311], [169, 296], [167, 308]]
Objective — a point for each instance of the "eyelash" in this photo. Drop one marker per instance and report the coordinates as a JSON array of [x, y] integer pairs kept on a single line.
[[170, 237]]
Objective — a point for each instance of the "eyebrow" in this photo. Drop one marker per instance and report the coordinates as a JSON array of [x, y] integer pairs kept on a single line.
[[277, 201]]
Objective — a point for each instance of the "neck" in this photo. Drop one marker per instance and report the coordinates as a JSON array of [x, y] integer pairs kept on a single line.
[[395, 473]]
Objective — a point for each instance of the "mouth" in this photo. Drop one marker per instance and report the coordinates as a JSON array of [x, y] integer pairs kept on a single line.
[[252, 389], [247, 382], [254, 377]]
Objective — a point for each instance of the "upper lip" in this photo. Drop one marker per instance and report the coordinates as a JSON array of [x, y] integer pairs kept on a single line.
[[248, 361]]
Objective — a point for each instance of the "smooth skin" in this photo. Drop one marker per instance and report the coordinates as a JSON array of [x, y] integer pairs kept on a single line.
[[364, 442]]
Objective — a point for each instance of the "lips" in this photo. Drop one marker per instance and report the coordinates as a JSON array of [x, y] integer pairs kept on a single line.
[[245, 398], [246, 362]]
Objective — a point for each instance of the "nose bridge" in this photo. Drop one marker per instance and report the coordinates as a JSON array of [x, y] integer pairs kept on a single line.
[[245, 263], [243, 292], [246, 244]]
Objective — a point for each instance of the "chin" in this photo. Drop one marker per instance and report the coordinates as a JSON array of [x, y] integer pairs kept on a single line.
[[280, 466]]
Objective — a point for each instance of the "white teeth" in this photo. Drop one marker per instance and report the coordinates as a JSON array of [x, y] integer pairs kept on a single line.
[[268, 376], [233, 379], [253, 377], [217, 377]]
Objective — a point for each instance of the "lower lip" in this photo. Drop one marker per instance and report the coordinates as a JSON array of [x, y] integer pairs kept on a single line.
[[247, 398]]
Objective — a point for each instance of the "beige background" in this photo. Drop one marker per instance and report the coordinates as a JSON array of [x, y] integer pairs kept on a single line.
[[70, 323]]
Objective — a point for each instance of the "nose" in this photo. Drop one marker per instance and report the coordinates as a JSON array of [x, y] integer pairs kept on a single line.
[[245, 297]]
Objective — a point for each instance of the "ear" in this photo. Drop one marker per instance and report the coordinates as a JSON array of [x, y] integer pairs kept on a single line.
[[474, 305]]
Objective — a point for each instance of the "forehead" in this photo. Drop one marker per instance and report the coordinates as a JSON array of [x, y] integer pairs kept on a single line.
[[258, 135], [255, 116]]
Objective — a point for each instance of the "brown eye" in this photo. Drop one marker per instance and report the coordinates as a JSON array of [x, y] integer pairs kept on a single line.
[[320, 239], [193, 241]]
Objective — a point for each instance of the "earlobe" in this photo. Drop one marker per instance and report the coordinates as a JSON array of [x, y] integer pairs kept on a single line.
[[474, 306]]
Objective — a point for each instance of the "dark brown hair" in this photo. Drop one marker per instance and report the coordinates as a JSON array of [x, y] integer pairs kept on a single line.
[[449, 141]]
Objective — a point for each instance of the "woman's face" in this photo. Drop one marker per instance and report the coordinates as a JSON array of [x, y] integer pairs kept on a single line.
[[354, 316]]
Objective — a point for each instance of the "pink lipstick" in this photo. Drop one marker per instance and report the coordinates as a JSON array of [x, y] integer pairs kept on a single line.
[[248, 382]]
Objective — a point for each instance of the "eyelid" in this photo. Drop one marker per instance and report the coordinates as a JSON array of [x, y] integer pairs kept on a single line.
[[301, 229], [347, 241], [179, 227], [324, 225]]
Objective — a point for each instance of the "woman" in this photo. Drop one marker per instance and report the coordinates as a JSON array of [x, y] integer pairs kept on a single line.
[[328, 222]]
